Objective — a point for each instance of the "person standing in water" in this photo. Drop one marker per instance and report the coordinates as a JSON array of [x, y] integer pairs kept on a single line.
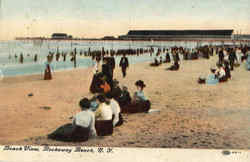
[[35, 58], [21, 58], [47, 71]]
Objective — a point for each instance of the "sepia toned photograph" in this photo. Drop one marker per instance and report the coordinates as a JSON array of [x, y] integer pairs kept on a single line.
[[168, 74]]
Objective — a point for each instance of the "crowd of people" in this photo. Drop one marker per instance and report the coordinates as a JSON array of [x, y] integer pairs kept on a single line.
[[174, 55], [228, 59], [103, 111]]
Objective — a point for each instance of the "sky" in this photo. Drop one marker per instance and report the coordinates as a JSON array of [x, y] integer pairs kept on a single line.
[[95, 19]]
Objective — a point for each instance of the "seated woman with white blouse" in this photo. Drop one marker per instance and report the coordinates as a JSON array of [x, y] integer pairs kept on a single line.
[[220, 72], [104, 117]]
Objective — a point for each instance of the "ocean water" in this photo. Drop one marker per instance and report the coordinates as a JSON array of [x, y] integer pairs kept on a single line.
[[10, 66]]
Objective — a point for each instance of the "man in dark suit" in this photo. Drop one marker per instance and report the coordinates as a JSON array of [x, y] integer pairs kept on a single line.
[[232, 57], [124, 65], [221, 56]]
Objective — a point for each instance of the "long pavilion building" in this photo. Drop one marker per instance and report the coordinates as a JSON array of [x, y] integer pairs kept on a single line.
[[178, 35]]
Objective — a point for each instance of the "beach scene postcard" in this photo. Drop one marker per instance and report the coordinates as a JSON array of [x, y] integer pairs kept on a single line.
[[113, 80]]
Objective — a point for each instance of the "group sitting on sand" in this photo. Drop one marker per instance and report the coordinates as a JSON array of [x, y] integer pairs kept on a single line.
[[221, 74], [101, 113]]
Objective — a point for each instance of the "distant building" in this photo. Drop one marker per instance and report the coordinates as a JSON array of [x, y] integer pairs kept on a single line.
[[241, 37], [178, 35], [60, 36], [109, 38]]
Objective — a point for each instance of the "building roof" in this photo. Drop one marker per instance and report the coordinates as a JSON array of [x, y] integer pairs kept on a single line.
[[180, 32], [59, 34]]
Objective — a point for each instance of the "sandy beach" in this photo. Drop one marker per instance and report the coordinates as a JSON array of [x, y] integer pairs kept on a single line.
[[191, 115]]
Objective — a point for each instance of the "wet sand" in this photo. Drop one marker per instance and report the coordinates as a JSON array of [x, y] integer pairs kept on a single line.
[[191, 115]]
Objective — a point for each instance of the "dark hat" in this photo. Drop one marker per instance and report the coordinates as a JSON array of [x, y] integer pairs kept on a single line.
[[212, 70], [140, 83], [84, 103], [124, 88], [115, 82], [101, 98], [109, 95], [218, 64]]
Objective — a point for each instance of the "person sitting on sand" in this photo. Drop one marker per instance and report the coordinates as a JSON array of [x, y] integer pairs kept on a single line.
[[210, 80], [105, 86], [82, 127], [156, 61], [96, 83], [174, 67], [115, 109], [124, 99], [93, 103], [116, 90], [139, 103], [248, 61], [104, 117], [84, 122], [220, 72]]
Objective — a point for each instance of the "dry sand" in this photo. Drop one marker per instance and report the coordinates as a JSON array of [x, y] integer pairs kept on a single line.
[[191, 115]]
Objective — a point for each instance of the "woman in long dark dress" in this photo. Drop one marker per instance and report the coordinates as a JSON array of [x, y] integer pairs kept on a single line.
[[47, 72], [167, 57]]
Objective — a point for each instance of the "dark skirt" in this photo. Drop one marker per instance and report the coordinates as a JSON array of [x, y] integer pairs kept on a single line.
[[104, 127], [68, 134], [223, 79], [138, 107], [173, 68], [80, 134], [47, 73], [201, 80], [95, 84], [155, 64]]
